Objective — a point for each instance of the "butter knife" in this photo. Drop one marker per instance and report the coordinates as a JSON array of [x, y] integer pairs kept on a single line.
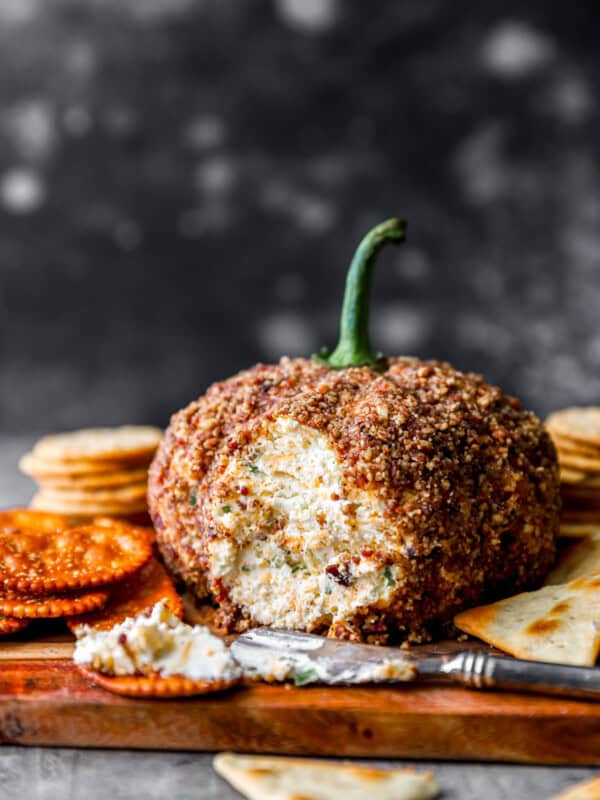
[[305, 658]]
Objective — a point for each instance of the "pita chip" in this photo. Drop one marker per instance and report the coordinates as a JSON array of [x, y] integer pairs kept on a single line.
[[558, 624], [576, 561], [278, 778], [588, 790]]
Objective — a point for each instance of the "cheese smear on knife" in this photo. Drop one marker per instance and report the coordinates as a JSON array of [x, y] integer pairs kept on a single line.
[[155, 642], [300, 668]]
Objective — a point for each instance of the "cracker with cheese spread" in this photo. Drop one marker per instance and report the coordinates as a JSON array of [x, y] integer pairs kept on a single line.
[[156, 685], [155, 654]]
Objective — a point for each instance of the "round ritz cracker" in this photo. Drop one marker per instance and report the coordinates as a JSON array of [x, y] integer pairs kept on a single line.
[[115, 495], [87, 508], [582, 498], [13, 520], [101, 480], [585, 516], [126, 498], [87, 556], [155, 685], [577, 424], [10, 625], [581, 463], [142, 530], [570, 446], [37, 468], [576, 513], [20, 605], [582, 489], [578, 530], [592, 510], [575, 476], [130, 597], [113, 444]]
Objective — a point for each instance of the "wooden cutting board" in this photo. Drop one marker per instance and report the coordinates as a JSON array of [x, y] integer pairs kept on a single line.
[[45, 701]]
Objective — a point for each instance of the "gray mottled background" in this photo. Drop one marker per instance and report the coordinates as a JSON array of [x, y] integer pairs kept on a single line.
[[182, 183]]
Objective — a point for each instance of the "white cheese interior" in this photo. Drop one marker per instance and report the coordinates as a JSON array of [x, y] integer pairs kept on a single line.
[[155, 642], [283, 515]]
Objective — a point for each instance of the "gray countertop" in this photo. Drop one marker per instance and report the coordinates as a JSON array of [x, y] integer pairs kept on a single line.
[[47, 774], [66, 774]]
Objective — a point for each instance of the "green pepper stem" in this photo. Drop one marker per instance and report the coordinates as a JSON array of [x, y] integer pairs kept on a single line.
[[353, 348]]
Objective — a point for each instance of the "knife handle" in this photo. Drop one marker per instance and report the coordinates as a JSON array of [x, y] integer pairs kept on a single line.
[[483, 671]]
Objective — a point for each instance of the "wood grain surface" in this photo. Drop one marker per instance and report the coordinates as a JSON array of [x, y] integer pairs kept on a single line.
[[45, 701]]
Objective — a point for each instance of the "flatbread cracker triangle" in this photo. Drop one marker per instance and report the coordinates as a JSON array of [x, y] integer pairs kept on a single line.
[[558, 624], [576, 561], [278, 778], [587, 790]]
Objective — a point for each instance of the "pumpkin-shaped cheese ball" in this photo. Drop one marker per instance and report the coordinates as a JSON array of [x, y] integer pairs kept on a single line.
[[358, 497]]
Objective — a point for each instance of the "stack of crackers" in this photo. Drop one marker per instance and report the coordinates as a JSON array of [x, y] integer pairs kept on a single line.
[[94, 577], [93, 472], [49, 569], [576, 434], [559, 622]]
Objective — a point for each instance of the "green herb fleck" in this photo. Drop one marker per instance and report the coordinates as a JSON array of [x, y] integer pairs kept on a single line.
[[387, 574], [306, 676], [226, 509], [246, 569], [250, 466], [271, 522], [193, 500], [297, 567]]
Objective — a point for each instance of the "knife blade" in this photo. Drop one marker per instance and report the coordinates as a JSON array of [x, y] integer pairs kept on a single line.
[[305, 658]]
